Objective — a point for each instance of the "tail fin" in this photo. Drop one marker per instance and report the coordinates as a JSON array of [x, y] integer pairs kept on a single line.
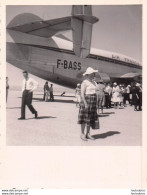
[[82, 22], [81, 9]]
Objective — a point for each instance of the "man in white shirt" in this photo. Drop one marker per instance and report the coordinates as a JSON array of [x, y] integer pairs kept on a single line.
[[28, 86]]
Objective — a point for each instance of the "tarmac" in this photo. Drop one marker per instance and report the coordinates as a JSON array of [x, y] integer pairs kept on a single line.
[[57, 124]]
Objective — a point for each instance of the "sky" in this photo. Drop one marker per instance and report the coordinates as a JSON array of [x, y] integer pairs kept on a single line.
[[119, 28]]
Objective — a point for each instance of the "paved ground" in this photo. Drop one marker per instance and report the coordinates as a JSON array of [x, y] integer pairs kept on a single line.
[[57, 124]]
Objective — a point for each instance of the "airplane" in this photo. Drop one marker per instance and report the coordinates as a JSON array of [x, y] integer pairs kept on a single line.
[[39, 47]]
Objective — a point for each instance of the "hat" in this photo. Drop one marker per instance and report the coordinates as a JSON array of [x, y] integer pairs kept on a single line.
[[137, 84], [89, 71], [114, 83], [129, 85]]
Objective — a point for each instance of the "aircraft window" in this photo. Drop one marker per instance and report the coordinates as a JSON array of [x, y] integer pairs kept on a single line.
[[115, 61]]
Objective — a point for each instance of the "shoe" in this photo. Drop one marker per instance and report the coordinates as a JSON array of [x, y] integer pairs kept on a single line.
[[21, 118], [83, 137], [88, 136], [36, 114]]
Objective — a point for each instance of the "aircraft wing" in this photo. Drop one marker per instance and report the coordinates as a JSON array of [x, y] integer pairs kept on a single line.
[[40, 28], [80, 22], [131, 75]]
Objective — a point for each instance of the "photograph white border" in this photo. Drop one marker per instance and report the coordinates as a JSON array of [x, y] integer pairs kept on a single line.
[[71, 167]]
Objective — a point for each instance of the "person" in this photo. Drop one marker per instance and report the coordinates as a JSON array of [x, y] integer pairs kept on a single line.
[[78, 94], [108, 95], [120, 96], [124, 94], [100, 96], [87, 110], [51, 93], [115, 95], [135, 96], [131, 96], [7, 88], [128, 93], [140, 96], [46, 91], [28, 86]]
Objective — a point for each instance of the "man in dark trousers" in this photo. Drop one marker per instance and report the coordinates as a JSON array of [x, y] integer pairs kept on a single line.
[[51, 93], [28, 86]]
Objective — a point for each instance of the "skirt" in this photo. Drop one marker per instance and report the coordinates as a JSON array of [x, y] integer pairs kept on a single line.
[[100, 100], [88, 116], [115, 97]]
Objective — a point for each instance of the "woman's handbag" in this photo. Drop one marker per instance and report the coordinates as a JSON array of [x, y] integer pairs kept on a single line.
[[95, 125]]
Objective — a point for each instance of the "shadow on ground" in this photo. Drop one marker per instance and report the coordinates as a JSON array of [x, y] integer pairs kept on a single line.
[[41, 117], [103, 115], [13, 107], [64, 95], [56, 100], [109, 112], [105, 135]]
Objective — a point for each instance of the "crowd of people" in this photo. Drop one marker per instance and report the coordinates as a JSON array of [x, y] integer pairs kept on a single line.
[[115, 95], [93, 96]]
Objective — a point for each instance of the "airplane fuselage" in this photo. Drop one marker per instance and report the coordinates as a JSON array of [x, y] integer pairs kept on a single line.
[[47, 60]]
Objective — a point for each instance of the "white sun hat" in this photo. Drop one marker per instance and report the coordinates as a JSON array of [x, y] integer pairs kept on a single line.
[[89, 71], [137, 84]]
